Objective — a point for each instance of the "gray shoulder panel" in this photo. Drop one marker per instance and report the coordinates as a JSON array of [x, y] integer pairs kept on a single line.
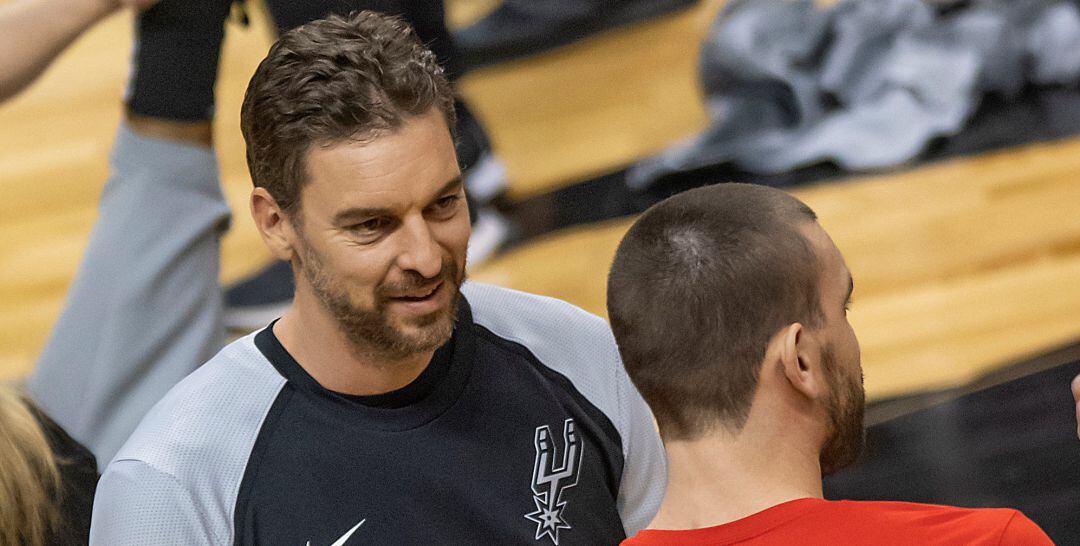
[[189, 454], [563, 337], [580, 346]]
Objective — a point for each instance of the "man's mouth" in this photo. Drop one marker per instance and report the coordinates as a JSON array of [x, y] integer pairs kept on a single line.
[[419, 294]]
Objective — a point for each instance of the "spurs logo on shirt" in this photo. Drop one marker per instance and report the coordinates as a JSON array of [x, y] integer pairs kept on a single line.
[[513, 358], [549, 483]]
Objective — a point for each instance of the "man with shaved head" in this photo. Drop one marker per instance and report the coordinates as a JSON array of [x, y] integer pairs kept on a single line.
[[729, 305]]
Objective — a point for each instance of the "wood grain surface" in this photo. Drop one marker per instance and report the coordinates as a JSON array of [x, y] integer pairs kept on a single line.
[[960, 266]]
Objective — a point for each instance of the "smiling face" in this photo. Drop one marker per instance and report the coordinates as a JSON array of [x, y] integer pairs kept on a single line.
[[380, 235]]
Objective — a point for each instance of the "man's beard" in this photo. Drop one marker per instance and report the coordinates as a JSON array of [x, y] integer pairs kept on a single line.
[[371, 330], [845, 441]]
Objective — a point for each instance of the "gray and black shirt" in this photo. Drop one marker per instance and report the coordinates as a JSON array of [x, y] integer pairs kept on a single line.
[[523, 429]]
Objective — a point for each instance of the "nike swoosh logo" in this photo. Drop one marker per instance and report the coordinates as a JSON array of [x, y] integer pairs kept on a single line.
[[341, 541]]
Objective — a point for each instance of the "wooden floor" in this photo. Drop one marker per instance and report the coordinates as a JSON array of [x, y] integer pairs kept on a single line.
[[960, 266]]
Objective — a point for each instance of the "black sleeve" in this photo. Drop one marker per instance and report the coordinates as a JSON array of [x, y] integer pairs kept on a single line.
[[176, 58]]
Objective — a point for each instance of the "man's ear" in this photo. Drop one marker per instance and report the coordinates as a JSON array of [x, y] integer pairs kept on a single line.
[[800, 359], [276, 231]]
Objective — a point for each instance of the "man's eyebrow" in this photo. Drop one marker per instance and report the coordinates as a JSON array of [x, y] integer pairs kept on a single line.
[[454, 184], [357, 213]]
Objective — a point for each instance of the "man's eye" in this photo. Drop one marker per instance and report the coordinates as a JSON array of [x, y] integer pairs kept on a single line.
[[373, 224], [444, 207], [446, 202]]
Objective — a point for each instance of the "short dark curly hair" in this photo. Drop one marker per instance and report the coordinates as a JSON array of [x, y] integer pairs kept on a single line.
[[331, 80]]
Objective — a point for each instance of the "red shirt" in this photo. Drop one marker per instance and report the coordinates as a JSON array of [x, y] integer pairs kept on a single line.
[[817, 521]]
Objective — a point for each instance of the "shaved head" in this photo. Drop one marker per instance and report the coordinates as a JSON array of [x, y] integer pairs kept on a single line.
[[699, 285]]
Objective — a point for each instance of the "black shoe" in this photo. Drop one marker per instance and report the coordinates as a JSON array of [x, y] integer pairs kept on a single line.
[[525, 27], [485, 175], [491, 230], [485, 180], [259, 299]]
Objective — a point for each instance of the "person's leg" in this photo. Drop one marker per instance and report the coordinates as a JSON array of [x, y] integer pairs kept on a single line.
[[175, 61], [170, 94], [517, 28], [145, 307]]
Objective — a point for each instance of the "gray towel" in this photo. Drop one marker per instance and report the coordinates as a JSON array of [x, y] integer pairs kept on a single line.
[[866, 84]]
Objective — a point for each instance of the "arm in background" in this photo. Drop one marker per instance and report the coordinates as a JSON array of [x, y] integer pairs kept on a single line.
[[34, 32]]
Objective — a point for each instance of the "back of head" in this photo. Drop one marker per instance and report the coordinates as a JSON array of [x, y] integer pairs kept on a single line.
[[30, 481], [332, 80], [699, 285]]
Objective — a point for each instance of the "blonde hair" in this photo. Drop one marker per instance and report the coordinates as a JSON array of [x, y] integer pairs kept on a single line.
[[30, 479]]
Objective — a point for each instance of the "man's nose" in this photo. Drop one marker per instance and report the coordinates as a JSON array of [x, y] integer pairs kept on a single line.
[[420, 252]]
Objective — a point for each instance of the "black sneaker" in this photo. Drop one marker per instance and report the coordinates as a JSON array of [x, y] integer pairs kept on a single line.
[[485, 175], [490, 231], [259, 299], [518, 28]]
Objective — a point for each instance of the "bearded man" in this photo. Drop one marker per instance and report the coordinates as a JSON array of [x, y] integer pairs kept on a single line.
[[729, 304], [390, 404]]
